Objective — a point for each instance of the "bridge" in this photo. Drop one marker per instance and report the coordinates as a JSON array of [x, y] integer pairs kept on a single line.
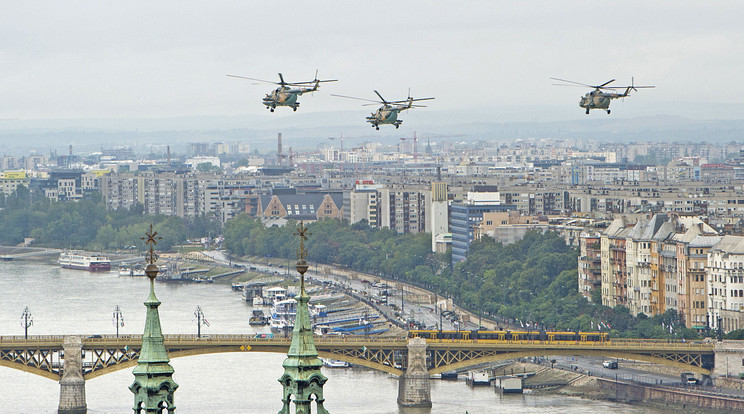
[[413, 360], [44, 355]]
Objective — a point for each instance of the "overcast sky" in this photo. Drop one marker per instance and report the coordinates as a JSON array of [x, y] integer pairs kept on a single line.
[[87, 59]]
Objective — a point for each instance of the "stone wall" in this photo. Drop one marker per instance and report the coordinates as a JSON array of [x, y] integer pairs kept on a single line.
[[672, 397], [732, 383]]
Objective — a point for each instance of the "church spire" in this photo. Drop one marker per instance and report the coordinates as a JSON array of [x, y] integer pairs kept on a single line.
[[302, 380], [153, 385]]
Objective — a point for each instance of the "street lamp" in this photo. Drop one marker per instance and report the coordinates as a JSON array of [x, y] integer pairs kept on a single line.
[[200, 319], [26, 321], [118, 319]]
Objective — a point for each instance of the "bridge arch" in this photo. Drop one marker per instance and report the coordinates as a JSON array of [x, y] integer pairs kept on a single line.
[[597, 353], [52, 375]]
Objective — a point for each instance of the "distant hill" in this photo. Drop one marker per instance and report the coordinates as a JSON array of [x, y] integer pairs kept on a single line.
[[304, 131]]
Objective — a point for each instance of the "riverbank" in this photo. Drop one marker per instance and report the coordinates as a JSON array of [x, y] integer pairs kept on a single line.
[[545, 380]]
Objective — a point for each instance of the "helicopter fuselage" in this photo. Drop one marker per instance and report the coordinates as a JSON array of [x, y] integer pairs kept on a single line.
[[386, 114], [599, 100], [285, 96]]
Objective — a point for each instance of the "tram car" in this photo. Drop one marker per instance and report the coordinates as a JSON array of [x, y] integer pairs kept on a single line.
[[503, 336]]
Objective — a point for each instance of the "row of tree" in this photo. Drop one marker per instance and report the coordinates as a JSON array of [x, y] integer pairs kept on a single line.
[[87, 224], [533, 281]]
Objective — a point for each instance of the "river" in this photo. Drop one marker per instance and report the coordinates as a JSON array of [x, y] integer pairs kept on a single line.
[[65, 301]]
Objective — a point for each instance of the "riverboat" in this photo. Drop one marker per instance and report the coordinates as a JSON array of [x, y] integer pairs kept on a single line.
[[131, 270], [335, 363], [478, 378], [84, 261], [283, 314], [258, 318]]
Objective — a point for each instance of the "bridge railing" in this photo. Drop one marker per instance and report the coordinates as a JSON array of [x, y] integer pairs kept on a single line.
[[611, 345], [32, 339]]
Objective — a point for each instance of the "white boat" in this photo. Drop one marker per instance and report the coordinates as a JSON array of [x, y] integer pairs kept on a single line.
[[277, 325], [131, 271], [274, 295], [335, 363], [283, 314], [84, 261], [478, 378], [258, 301]]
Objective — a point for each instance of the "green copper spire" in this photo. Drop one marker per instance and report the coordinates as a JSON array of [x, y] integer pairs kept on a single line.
[[153, 385], [302, 380]]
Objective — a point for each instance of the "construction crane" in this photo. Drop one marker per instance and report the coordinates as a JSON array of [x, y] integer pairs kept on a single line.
[[415, 145], [341, 138]]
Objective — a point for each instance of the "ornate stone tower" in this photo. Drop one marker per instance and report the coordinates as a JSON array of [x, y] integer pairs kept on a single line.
[[153, 385], [302, 380]]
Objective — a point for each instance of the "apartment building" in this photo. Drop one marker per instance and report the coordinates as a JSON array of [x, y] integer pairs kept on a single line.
[[663, 262], [725, 283], [177, 194], [404, 210], [590, 261]]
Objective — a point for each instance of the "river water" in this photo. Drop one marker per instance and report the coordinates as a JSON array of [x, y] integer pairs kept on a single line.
[[65, 301]]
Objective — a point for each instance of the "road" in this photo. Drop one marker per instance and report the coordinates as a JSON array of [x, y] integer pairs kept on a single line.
[[422, 314]]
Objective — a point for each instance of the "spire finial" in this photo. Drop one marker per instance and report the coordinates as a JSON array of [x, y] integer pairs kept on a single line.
[[151, 239], [302, 266], [303, 232]]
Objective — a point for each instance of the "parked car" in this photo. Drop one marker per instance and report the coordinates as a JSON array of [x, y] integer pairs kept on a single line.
[[610, 364]]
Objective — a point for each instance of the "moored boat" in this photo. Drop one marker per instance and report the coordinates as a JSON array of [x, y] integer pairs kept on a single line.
[[258, 318], [84, 261], [136, 270], [478, 378], [283, 314], [335, 363]]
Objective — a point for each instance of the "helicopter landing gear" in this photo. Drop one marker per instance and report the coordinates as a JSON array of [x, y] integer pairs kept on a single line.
[[587, 111], [608, 112], [271, 109], [396, 126], [294, 108], [377, 127]]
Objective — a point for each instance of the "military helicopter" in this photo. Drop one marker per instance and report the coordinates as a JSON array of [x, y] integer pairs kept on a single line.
[[388, 112], [598, 98], [287, 92]]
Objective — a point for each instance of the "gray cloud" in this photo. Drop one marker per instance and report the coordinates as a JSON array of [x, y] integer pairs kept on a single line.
[[169, 58]]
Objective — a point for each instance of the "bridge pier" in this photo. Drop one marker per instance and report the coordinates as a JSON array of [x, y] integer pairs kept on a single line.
[[729, 357], [414, 389], [72, 383]]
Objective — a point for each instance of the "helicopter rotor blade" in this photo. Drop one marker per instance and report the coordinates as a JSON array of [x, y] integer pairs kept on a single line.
[[381, 98], [281, 78], [411, 100], [605, 84], [576, 83], [313, 81], [630, 86], [572, 86], [253, 79], [359, 99]]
